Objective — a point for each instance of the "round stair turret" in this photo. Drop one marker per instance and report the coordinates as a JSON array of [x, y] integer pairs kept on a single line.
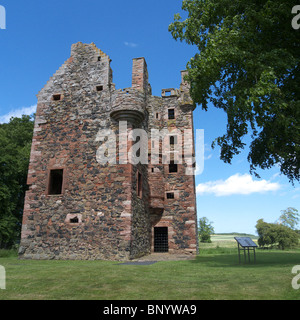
[[128, 105]]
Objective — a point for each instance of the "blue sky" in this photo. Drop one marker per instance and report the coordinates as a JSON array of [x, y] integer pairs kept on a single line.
[[37, 41]]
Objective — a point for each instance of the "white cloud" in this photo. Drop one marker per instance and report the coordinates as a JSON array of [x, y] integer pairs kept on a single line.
[[130, 44], [208, 152], [17, 113], [275, 175], [208, 157], [236, 185]]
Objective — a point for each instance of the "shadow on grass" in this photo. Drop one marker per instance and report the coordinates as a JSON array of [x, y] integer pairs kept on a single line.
[[263, 259]]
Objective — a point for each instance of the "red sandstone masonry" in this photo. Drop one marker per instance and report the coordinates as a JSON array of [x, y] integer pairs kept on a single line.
[[139, 74], [113, 221]]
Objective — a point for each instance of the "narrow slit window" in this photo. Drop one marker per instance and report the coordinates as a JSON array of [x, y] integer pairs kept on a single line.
[[157, 115], [173, 140], [139, 185], [173, 167], [56, 182], [99, 58], [138, 151], [171, 114], [56, 97]]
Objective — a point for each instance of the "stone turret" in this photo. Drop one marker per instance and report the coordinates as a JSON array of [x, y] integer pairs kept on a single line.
[[130, 104]]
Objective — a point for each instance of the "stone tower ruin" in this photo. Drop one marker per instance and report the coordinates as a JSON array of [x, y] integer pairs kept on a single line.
[[92, 193]]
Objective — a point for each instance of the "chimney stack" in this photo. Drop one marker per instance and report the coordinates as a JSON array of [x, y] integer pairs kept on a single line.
[[140, 74]]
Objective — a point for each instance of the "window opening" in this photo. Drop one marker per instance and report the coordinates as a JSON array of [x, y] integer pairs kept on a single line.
[[57, 97], [139, 185], [173, 140], [56, 181], [74, 220], [138, 151], [171, 114], [173, 167], [170, 195]]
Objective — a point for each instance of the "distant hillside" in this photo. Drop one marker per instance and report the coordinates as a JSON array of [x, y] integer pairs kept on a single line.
[[236, 234]]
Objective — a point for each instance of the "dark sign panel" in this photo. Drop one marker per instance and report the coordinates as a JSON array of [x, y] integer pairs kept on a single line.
[[245, 242]]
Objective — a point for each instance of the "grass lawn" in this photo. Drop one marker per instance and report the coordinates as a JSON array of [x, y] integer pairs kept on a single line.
[[214, 274]]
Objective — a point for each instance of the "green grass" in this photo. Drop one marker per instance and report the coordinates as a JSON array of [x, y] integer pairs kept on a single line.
[[214, 274]]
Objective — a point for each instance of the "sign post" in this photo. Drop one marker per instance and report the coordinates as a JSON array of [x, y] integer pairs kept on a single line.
[[246, 243]]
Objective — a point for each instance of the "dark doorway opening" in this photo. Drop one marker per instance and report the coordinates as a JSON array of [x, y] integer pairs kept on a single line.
[[161, 239]]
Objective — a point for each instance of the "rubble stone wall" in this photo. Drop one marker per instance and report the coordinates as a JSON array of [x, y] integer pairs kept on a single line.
[[99, 214]]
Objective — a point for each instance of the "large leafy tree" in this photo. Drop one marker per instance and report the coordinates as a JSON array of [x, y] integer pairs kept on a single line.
[[271, 234], [15, 143], [248, 65]]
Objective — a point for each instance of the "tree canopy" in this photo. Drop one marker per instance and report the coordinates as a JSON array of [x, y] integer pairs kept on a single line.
[[289, 217], [271, 234], [15, 144], [247, 65], [206, 229]]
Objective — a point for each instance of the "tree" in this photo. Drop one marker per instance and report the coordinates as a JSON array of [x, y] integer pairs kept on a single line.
[[247, 65], [286, 237], [271, 234], [263, 231], [205, 230], [289, 217], [15, 144]]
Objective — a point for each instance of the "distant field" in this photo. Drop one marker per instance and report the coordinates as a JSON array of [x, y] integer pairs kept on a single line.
[[230, 237], [225, 240]]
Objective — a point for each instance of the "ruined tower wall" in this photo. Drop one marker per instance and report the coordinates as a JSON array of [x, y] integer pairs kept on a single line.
[[179, 213], [104, 210], [65, 138]]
